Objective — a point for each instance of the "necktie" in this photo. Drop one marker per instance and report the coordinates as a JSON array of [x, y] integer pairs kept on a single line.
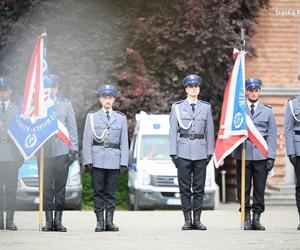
[[3, 107], [107, 115], [252, 109], [193, 107]]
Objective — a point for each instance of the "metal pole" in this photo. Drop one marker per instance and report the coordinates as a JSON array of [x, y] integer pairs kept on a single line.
[[41, 189], [243, 43], [223, 172]]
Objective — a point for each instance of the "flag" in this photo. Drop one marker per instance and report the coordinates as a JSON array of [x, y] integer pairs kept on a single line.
[[235, 125], [36, 121]]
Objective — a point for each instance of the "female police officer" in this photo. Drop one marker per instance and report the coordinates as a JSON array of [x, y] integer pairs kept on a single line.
[[105, 151]]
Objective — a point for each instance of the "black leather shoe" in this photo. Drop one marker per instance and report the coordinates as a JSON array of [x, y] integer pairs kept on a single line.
[[187, 221], [109, 217], [197, 224], [255, 222], [49, 222], [100, 227], [10, 225], [247, 224], [58, 226]]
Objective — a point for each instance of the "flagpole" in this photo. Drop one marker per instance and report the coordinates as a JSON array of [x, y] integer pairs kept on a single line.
[[41, 189], [243, 172]]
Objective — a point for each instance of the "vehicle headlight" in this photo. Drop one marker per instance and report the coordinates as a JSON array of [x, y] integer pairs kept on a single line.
[[146, 178], [74, 180]]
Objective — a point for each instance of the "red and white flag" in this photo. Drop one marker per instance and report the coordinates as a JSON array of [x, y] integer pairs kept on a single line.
[[235, 125]]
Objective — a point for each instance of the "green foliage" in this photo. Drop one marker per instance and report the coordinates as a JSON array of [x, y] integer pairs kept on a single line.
[[121, 193]]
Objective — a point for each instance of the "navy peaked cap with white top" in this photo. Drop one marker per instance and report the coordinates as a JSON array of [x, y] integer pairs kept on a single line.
[[192, 80]]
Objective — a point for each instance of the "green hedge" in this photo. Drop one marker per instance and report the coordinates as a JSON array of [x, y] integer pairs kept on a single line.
[[121, 193]]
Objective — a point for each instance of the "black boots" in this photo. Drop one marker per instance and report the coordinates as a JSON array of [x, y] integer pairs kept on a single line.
[[187, 221], [197, 224], [255, 222], [49, 222], [10, 225], [58, 226], [109, 217], [1, 220], [100, 222], [247, 225]]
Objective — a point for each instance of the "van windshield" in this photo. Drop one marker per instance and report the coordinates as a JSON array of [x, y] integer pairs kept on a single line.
[[155, 147]]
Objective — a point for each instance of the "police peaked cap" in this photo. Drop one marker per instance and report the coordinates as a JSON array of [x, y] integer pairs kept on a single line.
[[107, 90], [54, 80], [253, 83], [192, 79], [5, 83]]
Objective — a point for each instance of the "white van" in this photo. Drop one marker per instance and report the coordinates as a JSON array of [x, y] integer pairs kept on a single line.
[[152, 177]]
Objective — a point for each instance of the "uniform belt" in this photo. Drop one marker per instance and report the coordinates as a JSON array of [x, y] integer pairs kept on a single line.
[[297, 132], [106, 144], [192, 136]]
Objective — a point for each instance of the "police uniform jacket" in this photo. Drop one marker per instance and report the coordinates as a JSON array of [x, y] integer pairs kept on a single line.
[[8, 149], [265, 123], [202, 123], [65, 114], [99, 155], [291, 126]]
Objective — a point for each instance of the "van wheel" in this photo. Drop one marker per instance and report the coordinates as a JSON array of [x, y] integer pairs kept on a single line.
[[136, 205]]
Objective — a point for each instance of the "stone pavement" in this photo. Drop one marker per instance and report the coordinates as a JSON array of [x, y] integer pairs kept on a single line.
[[157, 230]]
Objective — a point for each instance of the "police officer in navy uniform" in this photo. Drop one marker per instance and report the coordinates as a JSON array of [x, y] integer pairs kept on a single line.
[[10, 157], [105, 152], [58, 157], [257, 165], [292, 141], [191, 148]]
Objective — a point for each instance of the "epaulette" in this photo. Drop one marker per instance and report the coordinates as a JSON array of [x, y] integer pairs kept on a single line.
[[178, 102], [269, 106], [292, 98], [92, 111], [119, 112], [204, 102], [64, 100]]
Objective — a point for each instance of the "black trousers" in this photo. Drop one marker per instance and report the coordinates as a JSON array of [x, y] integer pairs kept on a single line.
[[255, 172], [191, 174], [8, 184], [297, 188], [56, 171], [104, 183]]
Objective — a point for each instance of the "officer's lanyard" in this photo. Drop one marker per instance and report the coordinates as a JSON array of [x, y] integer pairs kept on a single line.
[[180, 121], [104, 134], [292, 110]]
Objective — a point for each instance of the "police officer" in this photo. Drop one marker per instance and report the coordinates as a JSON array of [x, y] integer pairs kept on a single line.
[[105, 152], [257, 165], [58, 157], [292, 141], [191, 148], [10, 158]]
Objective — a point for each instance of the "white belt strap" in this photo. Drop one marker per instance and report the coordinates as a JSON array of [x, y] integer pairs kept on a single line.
[[179, 119], [292, 110], [96, 137]]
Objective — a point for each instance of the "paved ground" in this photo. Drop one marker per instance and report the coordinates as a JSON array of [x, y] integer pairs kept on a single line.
[[157, 230]]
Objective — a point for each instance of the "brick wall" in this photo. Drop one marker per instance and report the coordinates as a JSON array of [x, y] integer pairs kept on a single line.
[[277, 63]]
